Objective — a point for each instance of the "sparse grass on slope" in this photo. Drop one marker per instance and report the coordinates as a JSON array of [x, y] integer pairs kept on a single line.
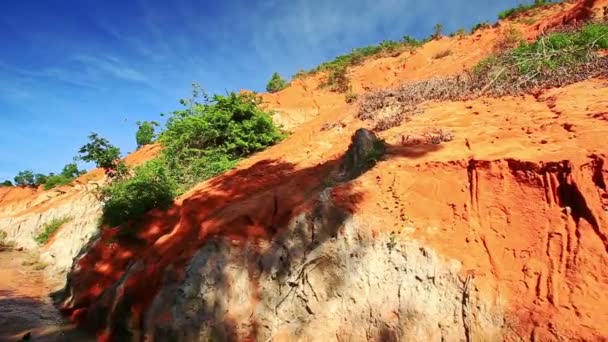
[[523, 8], [50, 228], [554, 60], [337, 68]]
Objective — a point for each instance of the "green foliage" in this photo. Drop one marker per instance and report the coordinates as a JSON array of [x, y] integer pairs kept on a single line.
[[50, 228], [150, 187], [337, 68], [199, 142], [547, 56], [28, 178], [276, 83], [483, 25], [522, 8], [99, 151], [233, 125], [67, 175], [460, 33], [560, 49], [71, 171], [40, 179], [145, 132], [437, 31], [54, 181], [6, 183], [25, 178], [337, 80]]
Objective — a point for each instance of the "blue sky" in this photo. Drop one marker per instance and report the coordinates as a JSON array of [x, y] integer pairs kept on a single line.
[[70, 67]]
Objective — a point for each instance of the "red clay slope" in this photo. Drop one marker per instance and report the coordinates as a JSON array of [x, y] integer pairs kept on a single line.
[[519, 196]]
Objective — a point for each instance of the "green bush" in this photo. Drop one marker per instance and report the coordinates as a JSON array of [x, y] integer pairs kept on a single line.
[[50, 228], [6, 183], [99, 151], [437, 31], [276, 83], [145, 132], [337, 67], [25, 178], [522, 8], [67, 175], [483, 25], [55, 181], [461, 32], [199, 142], [337, 80], [150, 187]]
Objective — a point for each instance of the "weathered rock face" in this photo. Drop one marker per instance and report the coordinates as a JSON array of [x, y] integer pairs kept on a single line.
[[317, 281], [27, 220], [323, 276]]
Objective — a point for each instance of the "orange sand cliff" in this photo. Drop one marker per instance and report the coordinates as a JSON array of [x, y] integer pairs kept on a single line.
[[518, 196]]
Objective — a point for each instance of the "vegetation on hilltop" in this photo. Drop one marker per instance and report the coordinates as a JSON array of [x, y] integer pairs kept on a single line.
[[554, 60], [50, 228], [50, 181], [276, 83], [145, 132], [337, 68], [199, 142], [523, 8]]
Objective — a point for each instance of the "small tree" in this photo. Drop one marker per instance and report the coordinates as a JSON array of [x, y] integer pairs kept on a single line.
[[100, 152], [25, 178], [276, 83], [438, 31], [6, 183], [145, 132], [71, 171], [40, 178]]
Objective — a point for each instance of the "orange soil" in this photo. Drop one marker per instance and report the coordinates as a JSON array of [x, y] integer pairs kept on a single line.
[[519, 196]]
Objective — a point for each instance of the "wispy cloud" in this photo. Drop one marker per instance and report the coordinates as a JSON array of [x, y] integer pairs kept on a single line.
[[107, 65]]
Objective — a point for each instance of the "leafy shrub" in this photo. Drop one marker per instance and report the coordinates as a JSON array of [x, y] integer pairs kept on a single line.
[[276, 83], [199, 142], [54, 181], [67, 175], [437, 31], [25, 178], [50, 228], [99, 151], [337, 80], [150, 187], [480, 26], [145, 132], [461, 32], [6, 183], [233, 125], [522, 8], [337, 68]]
